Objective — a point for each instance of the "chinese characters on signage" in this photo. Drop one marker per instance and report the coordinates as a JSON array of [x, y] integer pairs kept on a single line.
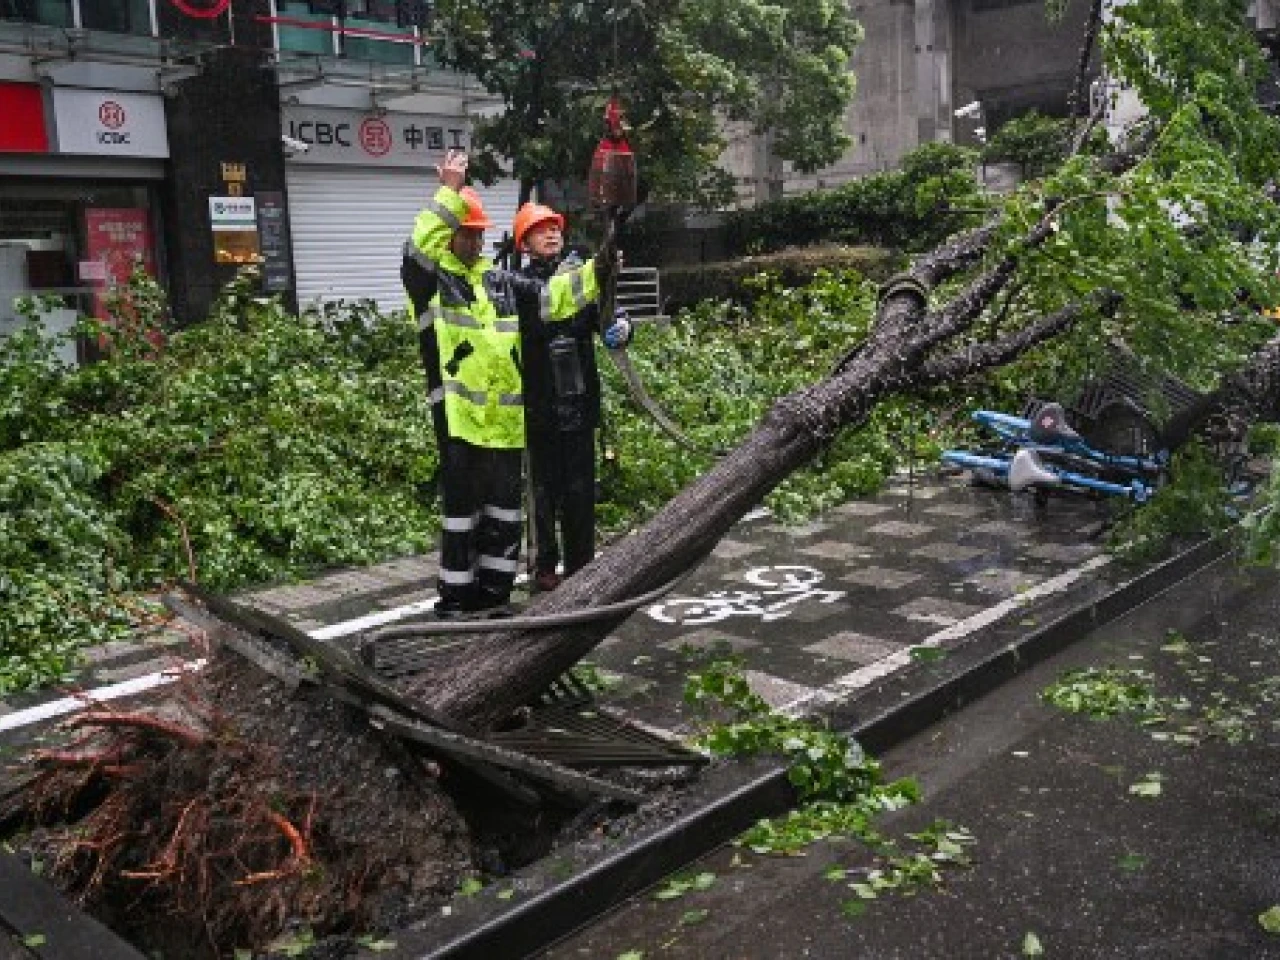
[[235, 230], [277, 264], [357, 139], [116, 238]]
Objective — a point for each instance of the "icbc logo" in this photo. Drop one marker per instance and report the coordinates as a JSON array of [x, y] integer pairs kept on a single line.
[[111, 114], [375, 137]]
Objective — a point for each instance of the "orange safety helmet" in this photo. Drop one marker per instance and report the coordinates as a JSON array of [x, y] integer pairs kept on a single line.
[[529, 216], [476, 217]]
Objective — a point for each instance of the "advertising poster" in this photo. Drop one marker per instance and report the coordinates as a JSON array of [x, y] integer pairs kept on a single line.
[[235, 230], [277, 262], [116, 238]]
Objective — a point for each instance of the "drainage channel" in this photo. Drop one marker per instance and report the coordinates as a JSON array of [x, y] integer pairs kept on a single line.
[[879, 718]]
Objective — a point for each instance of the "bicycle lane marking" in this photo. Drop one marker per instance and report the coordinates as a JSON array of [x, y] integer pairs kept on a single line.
[[782, 588], [840, 688]]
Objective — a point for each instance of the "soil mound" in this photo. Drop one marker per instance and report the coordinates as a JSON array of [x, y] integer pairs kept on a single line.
[[237, 809]]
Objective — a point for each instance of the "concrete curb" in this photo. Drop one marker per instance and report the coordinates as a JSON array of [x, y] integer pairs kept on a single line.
[[47, 924], [879, 720]]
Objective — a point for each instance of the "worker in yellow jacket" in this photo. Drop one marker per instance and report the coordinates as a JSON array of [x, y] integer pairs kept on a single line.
[[469, 320]]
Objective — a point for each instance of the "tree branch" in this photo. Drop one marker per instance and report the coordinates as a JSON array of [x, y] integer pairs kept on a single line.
[[966, 307], [1080, 90], [983, 356], [997, 322]]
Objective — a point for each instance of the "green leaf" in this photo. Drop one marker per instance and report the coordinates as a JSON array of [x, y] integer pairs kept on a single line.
[[1031, 946], [853, 908], [690, 917], [835, 873], [631, 955], [507, 893], [927, 654], [1149, 786], [675, 887], [703, 881], [1132, 862], [34, 940], [1269, 920], [470, 887]]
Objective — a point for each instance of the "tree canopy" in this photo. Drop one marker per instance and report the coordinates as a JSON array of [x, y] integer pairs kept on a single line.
[[1168, 242], [683, 67]]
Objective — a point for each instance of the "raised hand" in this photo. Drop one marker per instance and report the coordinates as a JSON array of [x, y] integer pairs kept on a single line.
[[453, 171]]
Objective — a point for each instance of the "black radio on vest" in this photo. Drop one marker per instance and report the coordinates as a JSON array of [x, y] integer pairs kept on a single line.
[[566, 368]]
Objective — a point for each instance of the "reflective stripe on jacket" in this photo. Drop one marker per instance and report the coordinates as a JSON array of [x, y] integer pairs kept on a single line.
[[469, 325]]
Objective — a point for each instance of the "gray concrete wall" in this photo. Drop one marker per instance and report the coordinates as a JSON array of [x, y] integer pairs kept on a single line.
[[1011, 58], [903, 70], [883, 118], [919, 61]]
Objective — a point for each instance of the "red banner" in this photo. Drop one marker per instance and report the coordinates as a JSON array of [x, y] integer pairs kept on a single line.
[[116, 238], [22, 128]]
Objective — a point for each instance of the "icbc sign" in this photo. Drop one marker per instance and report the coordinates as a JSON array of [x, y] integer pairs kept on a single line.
[[113, 123], [375, 137], [111, 115], [334, 135]]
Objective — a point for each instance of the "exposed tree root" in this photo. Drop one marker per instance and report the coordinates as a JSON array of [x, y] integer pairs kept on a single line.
[[208, 823]]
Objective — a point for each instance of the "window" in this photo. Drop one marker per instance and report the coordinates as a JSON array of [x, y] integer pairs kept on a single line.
[[117, 16], [364, 29], [52, 13], [369, 20], [69, 242], [306, 39]]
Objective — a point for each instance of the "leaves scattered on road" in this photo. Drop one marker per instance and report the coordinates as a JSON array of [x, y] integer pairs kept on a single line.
[[1149, 786]]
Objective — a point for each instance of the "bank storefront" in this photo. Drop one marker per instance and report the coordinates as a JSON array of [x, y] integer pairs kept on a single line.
[[354, 193], [79, 175]]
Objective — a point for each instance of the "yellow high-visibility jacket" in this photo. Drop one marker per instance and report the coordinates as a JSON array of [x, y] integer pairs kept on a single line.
[[469, 326]]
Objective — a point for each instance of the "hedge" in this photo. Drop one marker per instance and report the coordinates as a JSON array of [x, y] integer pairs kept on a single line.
[[913, 208], [684, 286]]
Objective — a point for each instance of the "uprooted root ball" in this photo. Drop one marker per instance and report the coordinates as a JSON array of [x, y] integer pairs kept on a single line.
[[237, 809]]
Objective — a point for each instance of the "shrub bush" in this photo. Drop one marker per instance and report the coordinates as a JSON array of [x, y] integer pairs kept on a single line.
[[912, 208], [265, 443], [685, 286]]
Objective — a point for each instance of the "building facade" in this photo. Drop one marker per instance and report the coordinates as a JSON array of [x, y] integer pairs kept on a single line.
[[918, 63], [195, 135]]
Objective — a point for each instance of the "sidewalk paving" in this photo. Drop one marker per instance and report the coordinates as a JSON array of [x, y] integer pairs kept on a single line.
[[1064, 849], [816, 611]]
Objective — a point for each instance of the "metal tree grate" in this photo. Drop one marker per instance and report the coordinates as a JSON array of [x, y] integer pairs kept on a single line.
[[563, 724]]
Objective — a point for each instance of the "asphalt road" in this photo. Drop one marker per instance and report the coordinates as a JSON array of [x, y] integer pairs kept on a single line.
[[1068, 859]]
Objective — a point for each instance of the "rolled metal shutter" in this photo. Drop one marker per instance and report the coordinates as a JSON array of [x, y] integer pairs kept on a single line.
[[349, 226]]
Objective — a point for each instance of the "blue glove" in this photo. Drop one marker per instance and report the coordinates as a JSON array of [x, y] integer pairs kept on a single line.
[[619, 332]]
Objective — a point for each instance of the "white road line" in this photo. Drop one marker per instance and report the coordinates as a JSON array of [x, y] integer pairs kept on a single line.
[[370, 620], [841, 687], [127, 688]]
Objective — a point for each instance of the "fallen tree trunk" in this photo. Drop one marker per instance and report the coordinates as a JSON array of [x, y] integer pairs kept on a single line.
[[504, 670]]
